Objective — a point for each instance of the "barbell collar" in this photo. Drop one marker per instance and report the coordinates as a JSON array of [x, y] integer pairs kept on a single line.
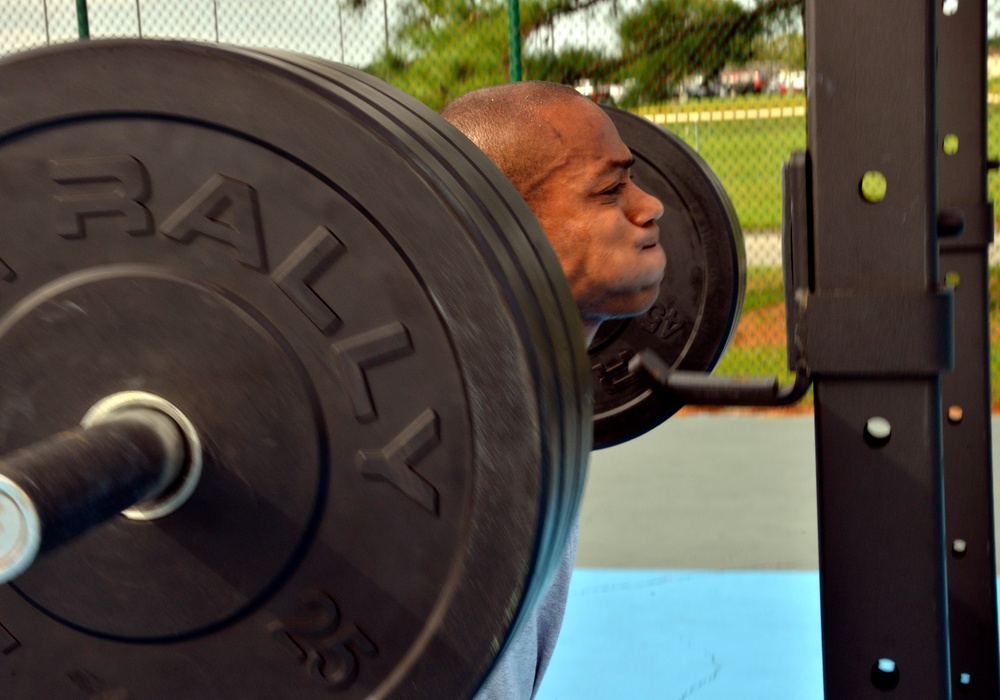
[[58, 488]]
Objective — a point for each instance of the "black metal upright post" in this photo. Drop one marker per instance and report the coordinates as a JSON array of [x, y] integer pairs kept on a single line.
[[967, 216], [878, 341]]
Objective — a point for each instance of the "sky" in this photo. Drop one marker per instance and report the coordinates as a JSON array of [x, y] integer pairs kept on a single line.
[[317, 27]]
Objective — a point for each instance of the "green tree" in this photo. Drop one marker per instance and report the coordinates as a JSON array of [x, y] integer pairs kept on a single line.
[[570, 66], [445, 48], [666, 41], [785, 50]]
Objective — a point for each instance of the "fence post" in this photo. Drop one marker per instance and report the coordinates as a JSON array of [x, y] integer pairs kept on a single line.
[[514, 23], [82, 23]]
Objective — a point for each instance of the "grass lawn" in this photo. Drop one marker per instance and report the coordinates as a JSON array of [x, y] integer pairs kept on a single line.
[[747, 155], [759, 348], [724, 103]]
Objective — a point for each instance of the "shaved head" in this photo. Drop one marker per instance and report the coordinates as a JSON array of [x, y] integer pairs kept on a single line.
[[512, 125], [565, 157]]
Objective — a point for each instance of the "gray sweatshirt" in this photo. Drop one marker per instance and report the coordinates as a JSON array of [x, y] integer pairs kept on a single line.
[[518, 673]]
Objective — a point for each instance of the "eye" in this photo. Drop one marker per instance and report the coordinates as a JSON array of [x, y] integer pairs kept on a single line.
[[616, 189]]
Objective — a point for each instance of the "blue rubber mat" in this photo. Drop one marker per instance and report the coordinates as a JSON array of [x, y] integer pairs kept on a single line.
[[696, 575], [680, 635]]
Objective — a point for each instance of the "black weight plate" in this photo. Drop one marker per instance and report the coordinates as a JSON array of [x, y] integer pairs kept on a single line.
[[279, 227], [507, 217], [694, 318], [507, 214], [512, 200]]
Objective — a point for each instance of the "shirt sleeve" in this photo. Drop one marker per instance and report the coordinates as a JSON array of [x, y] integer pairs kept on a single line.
[[518, 672]]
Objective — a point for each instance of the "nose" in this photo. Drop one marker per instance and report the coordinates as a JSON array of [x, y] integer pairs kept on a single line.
[[646, 209]]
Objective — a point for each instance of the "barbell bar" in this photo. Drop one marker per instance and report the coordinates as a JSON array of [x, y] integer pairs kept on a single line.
[[132, 459]]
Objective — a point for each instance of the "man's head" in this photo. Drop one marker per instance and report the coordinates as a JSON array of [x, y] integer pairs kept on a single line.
[[565, 157]]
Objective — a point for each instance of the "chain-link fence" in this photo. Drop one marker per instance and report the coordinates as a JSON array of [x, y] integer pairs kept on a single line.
[[726, 76]]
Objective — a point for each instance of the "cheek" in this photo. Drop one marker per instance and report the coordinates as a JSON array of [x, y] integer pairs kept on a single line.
[[614, 245], [573, 259], [571, 243]]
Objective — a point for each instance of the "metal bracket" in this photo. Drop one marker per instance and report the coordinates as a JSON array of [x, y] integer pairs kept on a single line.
[[849, 334], [700, 389]]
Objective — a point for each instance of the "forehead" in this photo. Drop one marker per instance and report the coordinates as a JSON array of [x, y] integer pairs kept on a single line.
[[585, 135]]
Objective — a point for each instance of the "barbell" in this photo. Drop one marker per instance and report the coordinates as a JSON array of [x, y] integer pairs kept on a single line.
[[316, 350]]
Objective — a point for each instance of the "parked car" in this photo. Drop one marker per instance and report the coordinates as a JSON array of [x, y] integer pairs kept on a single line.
[[743, 82], [697, 86], [603, 93], [791, 81]]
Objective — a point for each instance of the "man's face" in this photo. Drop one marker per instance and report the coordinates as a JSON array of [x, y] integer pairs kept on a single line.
[[602, 226]]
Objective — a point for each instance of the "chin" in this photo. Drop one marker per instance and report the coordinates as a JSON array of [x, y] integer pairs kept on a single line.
[[621, 306], [623, 311], [646, 302]]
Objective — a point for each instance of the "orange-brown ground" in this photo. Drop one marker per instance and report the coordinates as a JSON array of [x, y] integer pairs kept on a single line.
[[761, 327]]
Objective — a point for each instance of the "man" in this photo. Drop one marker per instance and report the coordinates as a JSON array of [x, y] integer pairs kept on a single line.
[[565, 157]]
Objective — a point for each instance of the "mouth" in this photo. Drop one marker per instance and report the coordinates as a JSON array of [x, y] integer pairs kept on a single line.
[[651, 240]]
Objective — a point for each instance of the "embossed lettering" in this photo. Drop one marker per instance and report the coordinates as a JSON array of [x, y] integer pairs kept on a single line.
[[361, 352], [322, 618], [395, 463], [614, 375], [661, 321], [101, 186], [226, 210], [302, 268], [8, 642], [341, 650], [89, 683], [7, 273], [316, 639]]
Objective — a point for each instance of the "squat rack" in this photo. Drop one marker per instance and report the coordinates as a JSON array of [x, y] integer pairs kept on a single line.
[[907, 573]]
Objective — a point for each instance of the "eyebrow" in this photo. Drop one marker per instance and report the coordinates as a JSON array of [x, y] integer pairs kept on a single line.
[[620, 165]]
